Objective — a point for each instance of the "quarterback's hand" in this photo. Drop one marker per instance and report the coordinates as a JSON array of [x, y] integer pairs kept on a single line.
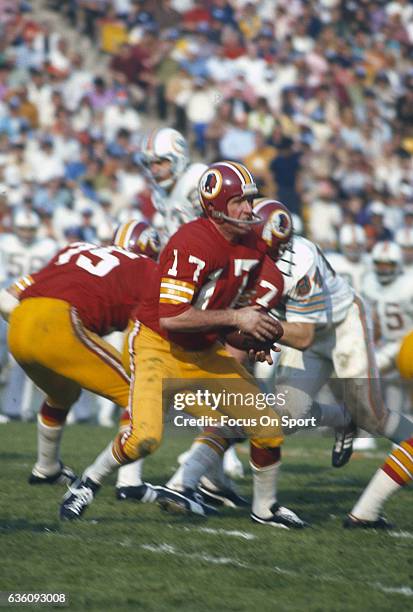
[[254, 321], [261, 356]]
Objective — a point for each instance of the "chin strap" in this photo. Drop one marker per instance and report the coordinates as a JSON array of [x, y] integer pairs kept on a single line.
[[220, 216]]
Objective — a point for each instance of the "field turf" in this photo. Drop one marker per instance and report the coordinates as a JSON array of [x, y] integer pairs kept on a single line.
[[125, 556]]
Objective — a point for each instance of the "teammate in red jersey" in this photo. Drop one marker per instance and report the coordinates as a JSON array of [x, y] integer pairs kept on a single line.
[[203, 270], [85, 292]]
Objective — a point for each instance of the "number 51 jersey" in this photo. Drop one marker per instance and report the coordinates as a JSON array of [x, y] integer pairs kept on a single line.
[[102, 283]]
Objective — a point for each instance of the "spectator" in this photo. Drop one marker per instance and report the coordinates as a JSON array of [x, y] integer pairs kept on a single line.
[[285, 168]]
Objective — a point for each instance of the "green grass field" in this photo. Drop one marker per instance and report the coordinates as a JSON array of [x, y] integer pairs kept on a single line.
[[127, 556]]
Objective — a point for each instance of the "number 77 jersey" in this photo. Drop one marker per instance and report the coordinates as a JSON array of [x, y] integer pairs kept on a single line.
[[102, 283]]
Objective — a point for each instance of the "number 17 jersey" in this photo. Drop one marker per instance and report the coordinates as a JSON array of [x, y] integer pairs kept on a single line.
[[102, 283], [199, 268]]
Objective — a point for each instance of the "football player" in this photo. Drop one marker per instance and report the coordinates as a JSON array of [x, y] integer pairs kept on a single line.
[[165, 157], [204, 269], [390, 292], [327, 322], [21, 252], [350, 262], [174, 180], [57, 318], [404, 238]]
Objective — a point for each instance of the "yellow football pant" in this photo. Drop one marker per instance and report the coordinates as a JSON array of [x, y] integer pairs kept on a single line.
[[404, 359], [48, 340], [153, 361]]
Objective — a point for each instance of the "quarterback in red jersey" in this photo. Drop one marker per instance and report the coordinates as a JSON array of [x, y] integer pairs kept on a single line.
[[203, 272], [85, 292]]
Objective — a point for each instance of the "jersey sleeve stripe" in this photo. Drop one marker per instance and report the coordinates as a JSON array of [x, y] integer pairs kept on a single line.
[[316, 296], [306, 307], [172, 293], [174, 281], [22, 283], [173, 288], [173, 299]]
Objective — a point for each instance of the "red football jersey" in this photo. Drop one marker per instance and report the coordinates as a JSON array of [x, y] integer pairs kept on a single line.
[[270, 285], [200, 268], [102, 283]]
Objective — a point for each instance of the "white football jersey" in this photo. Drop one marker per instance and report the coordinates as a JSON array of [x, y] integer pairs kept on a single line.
[[393, 304], [18, 259], [352, 271], [313, 292], [182, 203]]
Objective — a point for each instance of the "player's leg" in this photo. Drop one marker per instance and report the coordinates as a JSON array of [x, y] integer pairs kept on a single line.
[[356, 361], [149, 359], [61, 393], [45, 336], [129, 482], [222, 372]]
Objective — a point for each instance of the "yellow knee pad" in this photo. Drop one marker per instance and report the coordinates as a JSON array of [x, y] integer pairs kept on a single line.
[[404, 360]]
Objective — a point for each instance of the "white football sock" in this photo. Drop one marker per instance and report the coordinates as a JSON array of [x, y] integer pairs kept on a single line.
[[380, 488], [48, 448], [130, 475], [103, 465], [202, 458], [264, 489]]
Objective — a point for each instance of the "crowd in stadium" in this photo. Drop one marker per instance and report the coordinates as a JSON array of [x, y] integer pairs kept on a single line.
[[315, 98]]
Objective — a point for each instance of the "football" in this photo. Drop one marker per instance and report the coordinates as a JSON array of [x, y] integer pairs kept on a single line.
[[245, 341]]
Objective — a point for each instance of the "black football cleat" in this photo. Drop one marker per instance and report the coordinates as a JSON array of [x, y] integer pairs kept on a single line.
[[187, 501], [343, 447], [221, 496], [351, 522], [144, 493], [281, 517], [64, 476], [79, 496]]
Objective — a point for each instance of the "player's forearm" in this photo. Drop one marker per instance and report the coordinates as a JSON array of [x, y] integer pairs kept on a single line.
[[298, 335], [194, 320]]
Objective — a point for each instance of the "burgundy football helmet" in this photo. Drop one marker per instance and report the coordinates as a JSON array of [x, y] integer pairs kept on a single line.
[[221, 182], [276, 227], [138, 237]]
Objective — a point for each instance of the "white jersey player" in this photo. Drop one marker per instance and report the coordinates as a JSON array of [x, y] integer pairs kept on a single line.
[[404, 238], [350, 263], [165, 157], [22, 253], [389, 290]]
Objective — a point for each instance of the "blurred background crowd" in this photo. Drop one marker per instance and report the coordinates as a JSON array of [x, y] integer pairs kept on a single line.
[[316, 98]]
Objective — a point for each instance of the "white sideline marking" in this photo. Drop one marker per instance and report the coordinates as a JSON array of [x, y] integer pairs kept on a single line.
[[401, 534], [396, 590], [233, 533], [244, 535], [171, 550]]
